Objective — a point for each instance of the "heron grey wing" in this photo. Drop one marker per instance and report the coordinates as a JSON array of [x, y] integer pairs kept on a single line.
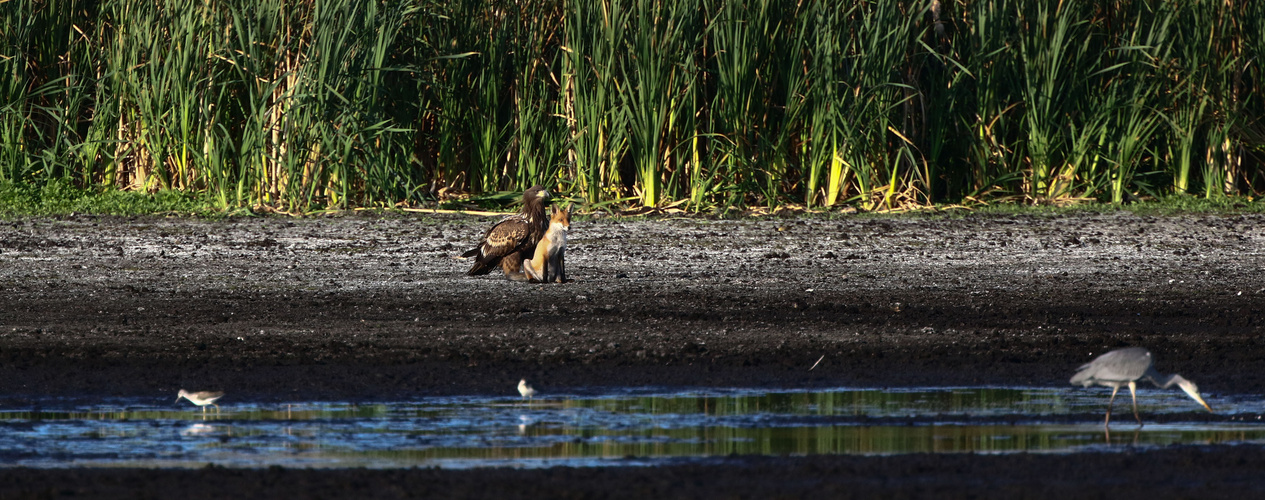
[[1083, 375], [1087, 374], [1121, 365]]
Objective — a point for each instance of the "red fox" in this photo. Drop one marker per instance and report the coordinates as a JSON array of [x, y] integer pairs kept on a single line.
[[546, 266]]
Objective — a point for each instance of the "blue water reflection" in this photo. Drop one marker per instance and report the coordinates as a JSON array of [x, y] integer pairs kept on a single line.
[[622, 427]]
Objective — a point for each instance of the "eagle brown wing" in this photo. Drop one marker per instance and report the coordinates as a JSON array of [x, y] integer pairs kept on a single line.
[[507, 237]]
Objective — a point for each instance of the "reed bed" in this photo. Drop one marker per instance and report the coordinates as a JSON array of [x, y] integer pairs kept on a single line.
[[298, 105]]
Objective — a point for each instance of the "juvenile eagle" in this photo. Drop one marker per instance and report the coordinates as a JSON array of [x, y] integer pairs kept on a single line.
[[513, 238]]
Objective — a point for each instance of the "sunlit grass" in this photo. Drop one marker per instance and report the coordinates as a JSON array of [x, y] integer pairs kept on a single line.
[[57, 198]]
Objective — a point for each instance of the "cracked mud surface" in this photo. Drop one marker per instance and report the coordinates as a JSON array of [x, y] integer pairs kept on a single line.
[[376, 307]]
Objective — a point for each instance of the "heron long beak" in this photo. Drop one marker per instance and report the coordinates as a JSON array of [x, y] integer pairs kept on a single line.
[[1194, 394]]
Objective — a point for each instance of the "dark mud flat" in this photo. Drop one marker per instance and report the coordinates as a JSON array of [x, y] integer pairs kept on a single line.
[[1173, 473], [374, 308]]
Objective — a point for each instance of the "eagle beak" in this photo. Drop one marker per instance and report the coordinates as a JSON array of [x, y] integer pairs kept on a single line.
[[544, 195]]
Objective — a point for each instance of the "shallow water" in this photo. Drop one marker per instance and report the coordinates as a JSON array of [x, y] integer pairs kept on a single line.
[[624, 427]]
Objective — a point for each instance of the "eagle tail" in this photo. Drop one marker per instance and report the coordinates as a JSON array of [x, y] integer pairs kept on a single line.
[[483, 265], [481, 268], [471, 253]]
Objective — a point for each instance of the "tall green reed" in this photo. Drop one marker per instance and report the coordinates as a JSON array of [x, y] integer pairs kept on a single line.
[[1188, 72], [540, 140], [303, 105], [1134, 91], [1059, 56], [872, 144], [655, 84], [47, 74], [599, 137]]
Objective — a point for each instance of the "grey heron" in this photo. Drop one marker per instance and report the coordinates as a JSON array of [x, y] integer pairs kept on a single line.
[[1127, 366]]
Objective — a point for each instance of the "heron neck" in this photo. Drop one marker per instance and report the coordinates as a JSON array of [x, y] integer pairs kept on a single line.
[[1163, 381]]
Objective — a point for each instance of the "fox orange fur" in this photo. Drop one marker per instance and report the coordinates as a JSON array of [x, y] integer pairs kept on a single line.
[[546, 265]]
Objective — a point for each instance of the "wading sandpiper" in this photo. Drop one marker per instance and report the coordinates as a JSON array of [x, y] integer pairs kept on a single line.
[[201, 398]]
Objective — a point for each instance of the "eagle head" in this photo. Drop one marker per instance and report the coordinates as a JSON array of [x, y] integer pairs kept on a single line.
[[538, 193]]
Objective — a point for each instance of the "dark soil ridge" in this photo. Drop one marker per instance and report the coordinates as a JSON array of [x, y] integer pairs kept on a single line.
[[1178, 472], [360, 308]]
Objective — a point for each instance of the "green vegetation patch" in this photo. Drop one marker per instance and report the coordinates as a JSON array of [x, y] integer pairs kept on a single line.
[[60, 198], [1167, 205]]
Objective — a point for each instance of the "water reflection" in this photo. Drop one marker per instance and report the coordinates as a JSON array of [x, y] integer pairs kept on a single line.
[[197, 430], [588, 430]]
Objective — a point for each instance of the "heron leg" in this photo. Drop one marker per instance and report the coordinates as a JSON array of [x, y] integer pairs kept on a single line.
[[1110, 402], [1133, 386]]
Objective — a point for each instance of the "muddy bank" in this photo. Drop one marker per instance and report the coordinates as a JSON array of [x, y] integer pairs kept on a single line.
[[377, 307], [365, 308]]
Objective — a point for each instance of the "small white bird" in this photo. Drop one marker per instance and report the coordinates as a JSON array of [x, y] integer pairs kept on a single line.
[[525, 389], [201, 398]]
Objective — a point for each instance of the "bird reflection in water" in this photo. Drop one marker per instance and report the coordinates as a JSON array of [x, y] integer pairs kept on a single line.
[[197, 430]]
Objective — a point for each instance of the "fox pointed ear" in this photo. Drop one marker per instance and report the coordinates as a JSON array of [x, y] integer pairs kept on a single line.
[[570, 206]]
